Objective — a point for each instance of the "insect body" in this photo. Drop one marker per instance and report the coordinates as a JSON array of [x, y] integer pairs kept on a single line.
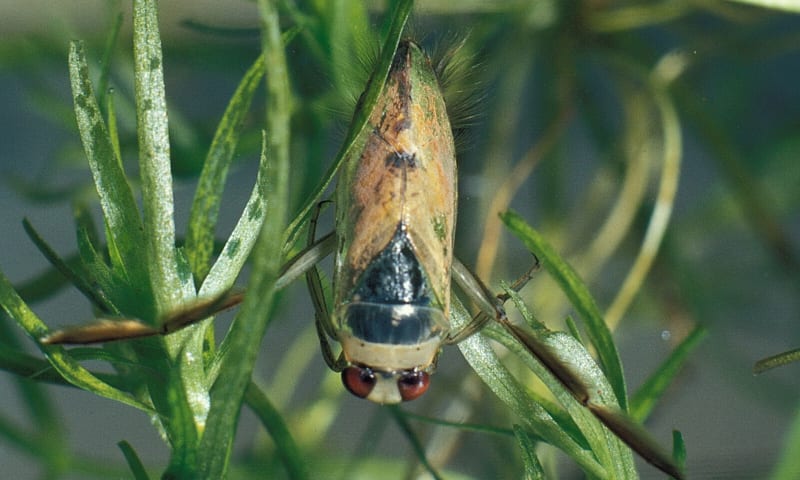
[[395, 218]]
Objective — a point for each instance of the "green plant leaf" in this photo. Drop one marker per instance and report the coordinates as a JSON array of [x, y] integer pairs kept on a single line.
[[413, 439], [105, 72], [533, 469], [111, 287], [346, 25], [237, 248], [571, 364], [678, 449], [135, 464], [574, 378], [58, 357], [645, 399], [181, 426], [113, 131], [285, 446], [169, 289], [183, 399], [124, 226], [581, 299], [84, 221], [26, 366], [481, 357], [29, 367], [244, 337], [80, 282], [205, 207], [775, 361], [235, 253], [788, 464]]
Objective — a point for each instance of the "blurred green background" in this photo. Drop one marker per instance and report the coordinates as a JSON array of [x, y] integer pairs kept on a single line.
[[566, 103]]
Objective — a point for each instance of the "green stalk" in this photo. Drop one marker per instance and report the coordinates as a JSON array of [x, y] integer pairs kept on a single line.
[[248, 329]]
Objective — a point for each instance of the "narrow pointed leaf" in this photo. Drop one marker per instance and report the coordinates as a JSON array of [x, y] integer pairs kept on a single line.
[[481, 357], [645, 399], [637, 438], [182, 427], [606, 447], [80, 282], [85, 222], [775, 361], [58, 357], [533, 469], [108, 53], [125, 230], [256, 312], [238, 246], [572, 375], [285, 446], [170, 279], [154, 159], [111, 286], [580, 298], [113, 131], [134, 463], [678, 449], [569, 361], [205, 207], [23, 365]]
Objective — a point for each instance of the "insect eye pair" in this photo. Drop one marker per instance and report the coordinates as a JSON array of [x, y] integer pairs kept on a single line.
[[361, 380]]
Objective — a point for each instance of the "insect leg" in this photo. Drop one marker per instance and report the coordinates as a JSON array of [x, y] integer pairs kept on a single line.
[[323, 323], [476, 291], [491, 308], [523, 279], [490, 305], [306, 259]]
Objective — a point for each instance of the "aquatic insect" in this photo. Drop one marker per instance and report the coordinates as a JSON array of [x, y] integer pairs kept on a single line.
[[393, 259], [396, 208], [395, 220]]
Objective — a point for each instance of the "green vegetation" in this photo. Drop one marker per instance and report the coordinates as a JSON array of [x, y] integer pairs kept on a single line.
[[578, 115]]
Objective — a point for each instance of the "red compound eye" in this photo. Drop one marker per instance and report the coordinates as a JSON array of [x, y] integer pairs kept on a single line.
[[412, 385], [359, 381]]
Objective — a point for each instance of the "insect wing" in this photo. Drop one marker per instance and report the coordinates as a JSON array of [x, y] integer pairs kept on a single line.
[[401, 182], [396, 200]]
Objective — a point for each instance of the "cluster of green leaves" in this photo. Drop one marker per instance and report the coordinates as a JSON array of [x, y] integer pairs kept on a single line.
[[138, 272], [141, 274]]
